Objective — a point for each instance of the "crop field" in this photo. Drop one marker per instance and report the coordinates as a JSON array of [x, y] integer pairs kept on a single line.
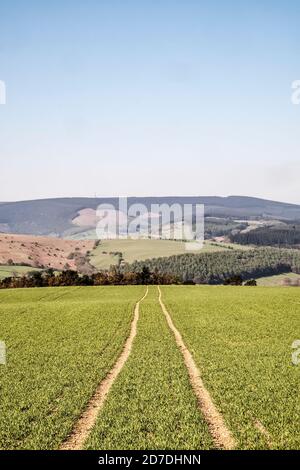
[[241, 339], [63, 343], [151, 405], [60, 343]]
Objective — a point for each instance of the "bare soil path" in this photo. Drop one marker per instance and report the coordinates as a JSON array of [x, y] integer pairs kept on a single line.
[[218, 429], [261, 428]]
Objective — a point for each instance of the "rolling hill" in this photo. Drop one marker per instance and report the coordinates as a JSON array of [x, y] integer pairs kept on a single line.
[[55, 217]]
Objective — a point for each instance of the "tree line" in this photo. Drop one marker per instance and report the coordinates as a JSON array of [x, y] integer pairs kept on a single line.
[[232, 267], [114, 276]]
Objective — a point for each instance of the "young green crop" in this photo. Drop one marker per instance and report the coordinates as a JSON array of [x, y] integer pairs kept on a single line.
[[60, 343], [241, 339], [151, 405]]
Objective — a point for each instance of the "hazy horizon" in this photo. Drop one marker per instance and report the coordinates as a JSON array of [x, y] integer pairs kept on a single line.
[[149, 99], [148, 196]]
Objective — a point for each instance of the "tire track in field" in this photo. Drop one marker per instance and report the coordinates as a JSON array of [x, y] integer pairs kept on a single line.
[[265, 433], [88, 418], [221, 435]]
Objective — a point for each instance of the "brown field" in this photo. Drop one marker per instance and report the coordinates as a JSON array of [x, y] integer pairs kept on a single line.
[[42, 251]]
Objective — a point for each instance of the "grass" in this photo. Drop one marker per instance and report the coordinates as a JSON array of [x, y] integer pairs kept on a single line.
[[81, 235], [277, 280], [241, 339], [139, 250], [151, 405], [60, 343], [8, 271]]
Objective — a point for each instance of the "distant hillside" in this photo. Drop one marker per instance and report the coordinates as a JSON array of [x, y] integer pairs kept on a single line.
[[55, 216], [45, 252]]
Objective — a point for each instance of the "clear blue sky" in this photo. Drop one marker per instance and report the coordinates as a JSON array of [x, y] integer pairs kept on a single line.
[[149, 97]]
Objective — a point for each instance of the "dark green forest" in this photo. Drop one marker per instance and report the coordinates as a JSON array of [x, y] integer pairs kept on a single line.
[[269, 236], [218, 227], [216, 268]]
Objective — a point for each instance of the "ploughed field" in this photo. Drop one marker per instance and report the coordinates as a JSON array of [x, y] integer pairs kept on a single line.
[[63, 343]]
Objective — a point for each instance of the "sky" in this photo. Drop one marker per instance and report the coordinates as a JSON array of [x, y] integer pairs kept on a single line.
[[149, 98]]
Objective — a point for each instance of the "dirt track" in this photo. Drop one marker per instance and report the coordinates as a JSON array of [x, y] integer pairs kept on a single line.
[[220, 433]]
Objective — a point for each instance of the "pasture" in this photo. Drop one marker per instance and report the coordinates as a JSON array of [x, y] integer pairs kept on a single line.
[[13, 271], [106, 253], [278, 279]]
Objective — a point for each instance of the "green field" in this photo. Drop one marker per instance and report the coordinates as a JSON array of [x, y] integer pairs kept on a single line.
[[102, 257], [278, 280], [8, 271], [62, 342], [151, 405], [241, 340]]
